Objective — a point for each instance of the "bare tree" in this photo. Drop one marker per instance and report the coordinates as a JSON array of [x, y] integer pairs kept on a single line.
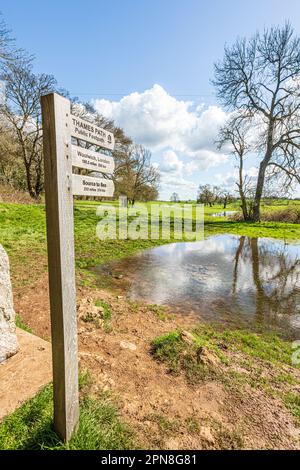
[[21, 109], [261, 77], [225, 196], [234, 136], [135, 174], [10, 165], [207, 194], [174, 197], [8, 51]]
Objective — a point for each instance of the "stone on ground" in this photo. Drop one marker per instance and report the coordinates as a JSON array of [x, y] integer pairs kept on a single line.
[[8, 338]]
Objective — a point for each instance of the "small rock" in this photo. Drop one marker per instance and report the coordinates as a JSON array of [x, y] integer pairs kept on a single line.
[[8, 339], [207, 357], [128, 345], [117, 276], [206, 434], [172, 444], [188, 337]]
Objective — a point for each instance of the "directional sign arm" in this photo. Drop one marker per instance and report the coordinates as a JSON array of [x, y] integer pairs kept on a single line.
[[85, 130], [90, 160]]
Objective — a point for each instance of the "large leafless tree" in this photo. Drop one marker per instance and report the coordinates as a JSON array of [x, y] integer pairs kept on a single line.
[[261, 78]]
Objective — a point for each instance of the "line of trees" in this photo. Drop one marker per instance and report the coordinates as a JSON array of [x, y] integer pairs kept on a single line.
[[21, 152], [210, 195]]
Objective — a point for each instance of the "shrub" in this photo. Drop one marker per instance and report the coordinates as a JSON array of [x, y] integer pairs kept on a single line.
[[290, 215]]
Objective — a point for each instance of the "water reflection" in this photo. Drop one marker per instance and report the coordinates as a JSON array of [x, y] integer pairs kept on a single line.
[[223, 213], [224, 278]]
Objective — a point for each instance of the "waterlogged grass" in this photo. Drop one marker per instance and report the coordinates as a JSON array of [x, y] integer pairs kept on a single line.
[[31, 427], [277, 230]]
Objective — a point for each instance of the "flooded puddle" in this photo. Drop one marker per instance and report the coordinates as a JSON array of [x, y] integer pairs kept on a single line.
[[224, 278], [223, 213]]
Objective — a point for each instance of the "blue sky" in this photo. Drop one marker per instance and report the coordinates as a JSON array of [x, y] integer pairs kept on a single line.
[[148, 64]]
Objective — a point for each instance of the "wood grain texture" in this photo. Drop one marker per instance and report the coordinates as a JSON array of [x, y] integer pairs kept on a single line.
[[60, 240]]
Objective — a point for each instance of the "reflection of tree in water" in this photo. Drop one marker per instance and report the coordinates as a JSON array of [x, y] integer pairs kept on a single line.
[[275, 275]]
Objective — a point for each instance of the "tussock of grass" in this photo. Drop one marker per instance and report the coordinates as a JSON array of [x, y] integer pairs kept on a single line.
[[292, 402], [290, 215], [181, 356], [159, 311], [167, 348], [106, 314], [22, 325], [30, 427]]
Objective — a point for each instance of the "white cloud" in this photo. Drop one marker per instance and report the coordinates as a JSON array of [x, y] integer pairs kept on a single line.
[[159, 121], [178, 133], [171, 162], [173, 171]]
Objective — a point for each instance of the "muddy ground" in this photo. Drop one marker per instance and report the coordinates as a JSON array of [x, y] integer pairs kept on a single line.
[[162, 408]]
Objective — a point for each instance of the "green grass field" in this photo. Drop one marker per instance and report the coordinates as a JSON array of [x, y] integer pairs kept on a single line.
[[23, 235]]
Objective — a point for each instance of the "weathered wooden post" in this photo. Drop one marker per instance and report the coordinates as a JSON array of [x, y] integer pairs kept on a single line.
[[60, 186], [61, 264]]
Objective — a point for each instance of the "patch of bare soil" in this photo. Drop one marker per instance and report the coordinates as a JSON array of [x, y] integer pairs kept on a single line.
[[31, 302], [164, 410]]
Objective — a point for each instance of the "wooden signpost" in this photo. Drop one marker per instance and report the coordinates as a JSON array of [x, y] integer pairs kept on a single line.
[[60, 187]]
